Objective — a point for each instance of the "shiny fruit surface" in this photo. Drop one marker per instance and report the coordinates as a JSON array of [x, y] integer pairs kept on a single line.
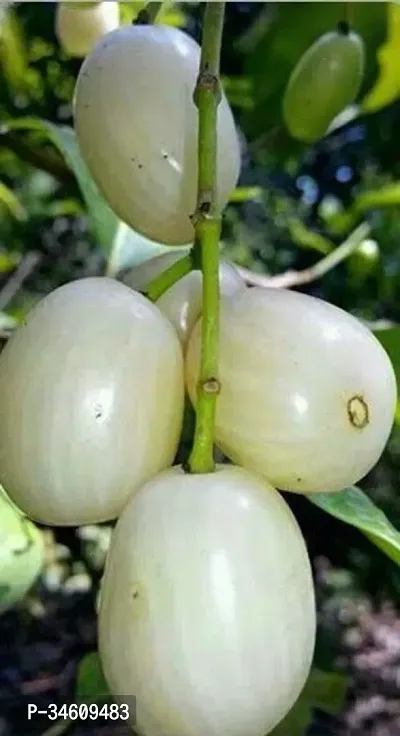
[[207, 612], [91, 402], [137, 124], [307, 392], [182, 303]]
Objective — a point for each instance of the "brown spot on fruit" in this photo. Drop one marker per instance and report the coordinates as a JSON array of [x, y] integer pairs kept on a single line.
[[358, 411]]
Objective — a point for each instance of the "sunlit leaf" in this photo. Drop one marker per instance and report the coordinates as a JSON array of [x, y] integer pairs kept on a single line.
[[11, 202], [354, 507], [129, 249], [387, 87], [21, 553]]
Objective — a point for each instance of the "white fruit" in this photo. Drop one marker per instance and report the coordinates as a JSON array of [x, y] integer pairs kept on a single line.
[[182, 303], [91, 402], [207, 609], [308, 393], [21, 553], [80, 25], [137, 124]]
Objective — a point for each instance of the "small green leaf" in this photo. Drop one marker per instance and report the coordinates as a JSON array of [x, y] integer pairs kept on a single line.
[[323, 690], [91, 685], [11, 202], [355, 508]]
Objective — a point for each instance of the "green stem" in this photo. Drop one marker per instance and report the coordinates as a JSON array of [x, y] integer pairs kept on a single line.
[[148, 14], [207, 223], [160, 284]]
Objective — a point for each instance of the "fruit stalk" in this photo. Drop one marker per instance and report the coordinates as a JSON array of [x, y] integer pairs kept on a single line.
[[207, 223], [149, 13], [160, 284]]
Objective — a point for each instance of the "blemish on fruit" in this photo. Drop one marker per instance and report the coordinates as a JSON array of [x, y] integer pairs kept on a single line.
[[358, 411], [98, 411], [139, 601]]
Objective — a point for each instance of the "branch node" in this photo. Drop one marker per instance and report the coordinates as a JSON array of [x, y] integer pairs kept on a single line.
[[210, 386], [207, 82]]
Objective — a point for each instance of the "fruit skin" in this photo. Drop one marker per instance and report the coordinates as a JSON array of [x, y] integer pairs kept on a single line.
[[137, 124], [308, 394], [91, 402], [21, 553], [182, 303], [326, 79], [207, 612], [79, 26]]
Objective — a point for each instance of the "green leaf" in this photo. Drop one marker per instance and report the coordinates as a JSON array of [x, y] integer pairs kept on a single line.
[[323, 690], [11, 202], [21, 553], [355, 508], [129, 249], [389, 337], [91, 685], [387, 87], [105, 222], [124, 247]]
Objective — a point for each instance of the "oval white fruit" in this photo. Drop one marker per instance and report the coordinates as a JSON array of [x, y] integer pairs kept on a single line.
[[21, 553], [136, 124], [79, 26], [207, 612], [308, 394], [182, 303], [91, 402]]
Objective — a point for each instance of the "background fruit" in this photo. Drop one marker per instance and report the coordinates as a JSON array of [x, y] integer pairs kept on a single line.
[[136, 124], [91, 402], [325, 81], [207, 606], [21, 553], [79, 26], [182, 303], [308, 394]]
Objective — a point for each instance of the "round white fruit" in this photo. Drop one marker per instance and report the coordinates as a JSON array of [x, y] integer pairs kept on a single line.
[[182, 303], [307, 392], [137, 124], [79, 26], [207, 612], [21, 553], [91, 402]]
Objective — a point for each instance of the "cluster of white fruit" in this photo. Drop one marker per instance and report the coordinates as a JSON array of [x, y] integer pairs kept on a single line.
[[207, 610]]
